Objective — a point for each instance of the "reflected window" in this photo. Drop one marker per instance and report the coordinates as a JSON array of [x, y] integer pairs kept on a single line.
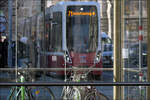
[[55, 34]]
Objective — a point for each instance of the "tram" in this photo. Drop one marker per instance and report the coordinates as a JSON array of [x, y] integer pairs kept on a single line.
[[71, 36]]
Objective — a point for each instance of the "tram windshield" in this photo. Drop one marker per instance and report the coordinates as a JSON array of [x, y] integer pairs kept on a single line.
[[82, 28]]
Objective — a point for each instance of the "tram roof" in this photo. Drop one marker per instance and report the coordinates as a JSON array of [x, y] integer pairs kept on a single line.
[[77, 3], [60, 6]]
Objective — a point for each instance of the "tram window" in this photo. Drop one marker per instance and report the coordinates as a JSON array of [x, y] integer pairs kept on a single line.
[[41, 30], [82, 28], [56, 33], [48, 31]]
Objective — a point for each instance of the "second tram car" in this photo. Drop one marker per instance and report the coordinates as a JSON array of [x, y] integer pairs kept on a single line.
[[71, 36]]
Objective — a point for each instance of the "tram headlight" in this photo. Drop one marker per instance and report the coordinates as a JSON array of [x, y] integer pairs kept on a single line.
[[98, 57], [67, 58]]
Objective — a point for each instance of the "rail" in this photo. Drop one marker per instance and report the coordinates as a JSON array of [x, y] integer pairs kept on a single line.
[[76, 84], [68, 69]]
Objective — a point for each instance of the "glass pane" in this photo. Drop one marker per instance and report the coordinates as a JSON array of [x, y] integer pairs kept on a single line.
[[135, 25], [72, 41]]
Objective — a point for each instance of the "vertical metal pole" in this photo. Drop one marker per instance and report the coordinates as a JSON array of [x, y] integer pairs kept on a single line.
[[140, 42], [43, 8], [140, 35], [10, 34], [117, 49], [16, 34], [16, 57], [122, 44], [148, 42]]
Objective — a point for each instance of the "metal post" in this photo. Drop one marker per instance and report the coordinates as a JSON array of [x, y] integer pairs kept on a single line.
[[10, 34], [140, 35], [148, 42], [140, 42], [16, 34], [122, 45], [117, 48]]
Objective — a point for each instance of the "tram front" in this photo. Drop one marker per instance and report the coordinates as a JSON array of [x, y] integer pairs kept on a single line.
[[82, 34]]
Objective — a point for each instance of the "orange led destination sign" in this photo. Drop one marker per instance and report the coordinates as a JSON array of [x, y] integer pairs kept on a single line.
[[81, 13]]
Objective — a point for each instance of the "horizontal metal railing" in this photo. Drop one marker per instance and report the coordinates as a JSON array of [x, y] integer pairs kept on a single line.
[[54, 69], [77, 84], [69, 69], [134, 69]]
